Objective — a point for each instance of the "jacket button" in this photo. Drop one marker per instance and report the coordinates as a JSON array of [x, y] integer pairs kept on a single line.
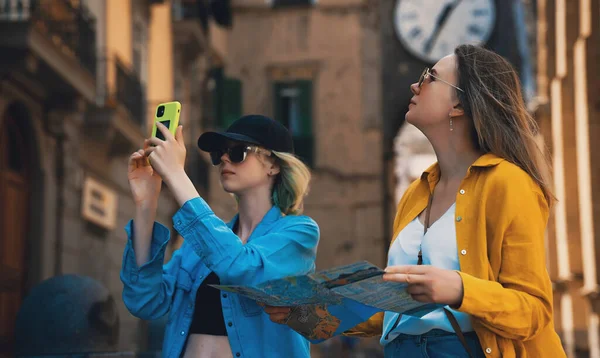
[[182, 333], [488, 350], [458, 218], [230, 324], [134, 277], [238, 354], [463, 252], [462, 191], [224, 295]]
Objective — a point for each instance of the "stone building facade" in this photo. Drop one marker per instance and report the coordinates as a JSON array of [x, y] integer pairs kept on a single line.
[[568, 110], [79, 81], [72, 109]]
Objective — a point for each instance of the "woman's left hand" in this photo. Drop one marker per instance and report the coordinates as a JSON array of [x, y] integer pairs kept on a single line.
[[167, 156], [428, 283]]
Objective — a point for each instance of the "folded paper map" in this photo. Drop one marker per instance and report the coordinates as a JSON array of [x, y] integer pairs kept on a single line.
[[328, 303]]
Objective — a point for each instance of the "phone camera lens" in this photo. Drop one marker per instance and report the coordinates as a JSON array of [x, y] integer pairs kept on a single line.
[[160, 111]]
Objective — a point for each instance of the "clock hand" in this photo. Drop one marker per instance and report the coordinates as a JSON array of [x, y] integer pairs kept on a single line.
[[441, 20]]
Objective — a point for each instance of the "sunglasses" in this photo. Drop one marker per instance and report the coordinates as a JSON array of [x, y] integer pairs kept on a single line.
[[426, 74], [237, 153]]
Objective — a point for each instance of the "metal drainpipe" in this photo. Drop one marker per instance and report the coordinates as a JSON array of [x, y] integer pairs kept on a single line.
[[386, 201], [60, 200]]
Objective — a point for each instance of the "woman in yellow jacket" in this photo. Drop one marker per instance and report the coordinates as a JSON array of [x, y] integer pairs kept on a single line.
[[469, 234]]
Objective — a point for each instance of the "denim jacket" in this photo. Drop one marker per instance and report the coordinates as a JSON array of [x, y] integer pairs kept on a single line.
[[280, 246]]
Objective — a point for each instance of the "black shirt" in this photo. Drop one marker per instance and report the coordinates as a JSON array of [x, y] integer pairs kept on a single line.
[[208, 311]]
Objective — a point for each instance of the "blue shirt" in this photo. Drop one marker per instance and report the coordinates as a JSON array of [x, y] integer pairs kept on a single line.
[[279, 246]]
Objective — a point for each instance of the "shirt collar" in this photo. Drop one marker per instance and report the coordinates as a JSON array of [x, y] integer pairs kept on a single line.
[[486, 160], [271, 216]]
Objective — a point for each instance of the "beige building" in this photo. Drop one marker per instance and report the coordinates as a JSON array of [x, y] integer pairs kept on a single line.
[[569, 113], [79, 81]]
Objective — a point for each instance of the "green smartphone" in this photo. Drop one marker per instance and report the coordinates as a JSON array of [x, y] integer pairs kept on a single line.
[[167, 114]]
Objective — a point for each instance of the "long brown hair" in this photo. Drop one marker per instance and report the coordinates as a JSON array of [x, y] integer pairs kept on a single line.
[[492, 98]]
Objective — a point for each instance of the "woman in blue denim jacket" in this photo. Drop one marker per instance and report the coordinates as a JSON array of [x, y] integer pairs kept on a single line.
[[268, 239]]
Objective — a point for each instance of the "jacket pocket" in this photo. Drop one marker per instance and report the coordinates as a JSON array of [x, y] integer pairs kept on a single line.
[[184, 280], [183, 287], [249, 307]]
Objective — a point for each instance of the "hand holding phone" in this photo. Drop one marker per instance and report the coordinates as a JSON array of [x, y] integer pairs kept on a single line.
[[166, 136], [168, 114]]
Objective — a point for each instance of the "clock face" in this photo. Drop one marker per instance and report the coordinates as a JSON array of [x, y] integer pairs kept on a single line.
[[431, 29]]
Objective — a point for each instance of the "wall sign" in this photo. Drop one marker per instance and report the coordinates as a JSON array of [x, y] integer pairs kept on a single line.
[[99, 204]]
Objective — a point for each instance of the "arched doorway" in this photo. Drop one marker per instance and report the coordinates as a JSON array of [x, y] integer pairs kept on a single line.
[[15, 190]]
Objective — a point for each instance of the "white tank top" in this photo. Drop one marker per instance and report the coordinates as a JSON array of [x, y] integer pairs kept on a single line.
[[439, 249]]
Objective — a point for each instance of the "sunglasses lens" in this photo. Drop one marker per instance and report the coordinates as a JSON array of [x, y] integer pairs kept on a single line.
[[237, 154], [215, 157]]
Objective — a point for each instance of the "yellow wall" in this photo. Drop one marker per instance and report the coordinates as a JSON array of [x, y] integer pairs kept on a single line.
[[159, 86], [160, 58], [119, 29], [118, 36]]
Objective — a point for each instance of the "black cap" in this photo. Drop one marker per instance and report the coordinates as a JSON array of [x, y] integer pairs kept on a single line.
[[253, 129]]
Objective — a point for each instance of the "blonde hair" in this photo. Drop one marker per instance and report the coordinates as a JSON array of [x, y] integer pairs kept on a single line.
[[291, 184]]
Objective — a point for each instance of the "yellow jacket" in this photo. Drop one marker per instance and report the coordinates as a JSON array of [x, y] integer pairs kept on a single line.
[[501, 215]]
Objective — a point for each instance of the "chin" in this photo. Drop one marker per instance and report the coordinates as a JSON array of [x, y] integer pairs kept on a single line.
[[234, 188], [408, 118], [228, 187]]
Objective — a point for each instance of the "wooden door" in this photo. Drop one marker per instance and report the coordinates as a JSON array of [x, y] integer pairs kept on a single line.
[[14, 215]]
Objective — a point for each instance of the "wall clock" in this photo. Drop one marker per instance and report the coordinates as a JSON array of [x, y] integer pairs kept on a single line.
[[431, 29]]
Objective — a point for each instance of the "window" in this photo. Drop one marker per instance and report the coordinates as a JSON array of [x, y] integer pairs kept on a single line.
[[231, 95], [227, 99], [293, 107], [139, 42]]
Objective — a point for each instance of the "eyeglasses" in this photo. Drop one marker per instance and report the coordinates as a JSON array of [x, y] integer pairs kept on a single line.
[[237, 153], [426, 74]]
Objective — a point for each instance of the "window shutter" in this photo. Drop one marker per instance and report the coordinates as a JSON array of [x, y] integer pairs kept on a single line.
[[296, 107], [230, 101], [277, 105], [304, 140]]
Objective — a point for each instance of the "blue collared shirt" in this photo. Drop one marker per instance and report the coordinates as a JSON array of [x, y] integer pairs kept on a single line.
[[279, 246]]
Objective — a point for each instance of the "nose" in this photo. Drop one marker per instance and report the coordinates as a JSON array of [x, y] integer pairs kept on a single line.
[[225, 158], [415, 88]]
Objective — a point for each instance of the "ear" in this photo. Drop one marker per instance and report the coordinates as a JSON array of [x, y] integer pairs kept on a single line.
[[457, 111], [274, 169]]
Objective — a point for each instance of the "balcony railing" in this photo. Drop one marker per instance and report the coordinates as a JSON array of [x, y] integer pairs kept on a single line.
[[284, 3], [66, 23], [190, 10], [130, 92]]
